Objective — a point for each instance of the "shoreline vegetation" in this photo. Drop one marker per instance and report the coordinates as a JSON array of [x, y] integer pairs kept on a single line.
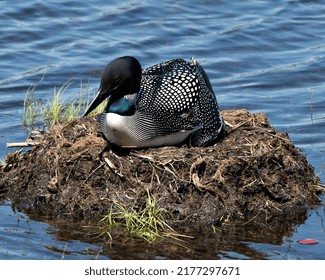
[[255, 173], [56, 109]]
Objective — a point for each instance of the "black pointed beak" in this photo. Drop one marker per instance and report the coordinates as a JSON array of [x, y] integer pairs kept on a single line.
[[99, 98]]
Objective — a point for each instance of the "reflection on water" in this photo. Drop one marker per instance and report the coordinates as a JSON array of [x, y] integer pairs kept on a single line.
[[259, 55], [25, 238], [274, 238]]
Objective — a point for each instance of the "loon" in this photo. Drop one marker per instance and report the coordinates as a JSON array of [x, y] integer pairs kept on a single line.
[[167, 104]]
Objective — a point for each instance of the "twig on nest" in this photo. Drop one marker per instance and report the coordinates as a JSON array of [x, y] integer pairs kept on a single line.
[[113, 167], [34, 139], [320, 188], [233, 128], [21, 144], [99, 166]]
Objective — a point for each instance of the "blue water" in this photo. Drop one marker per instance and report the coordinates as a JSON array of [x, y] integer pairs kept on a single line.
[[260, 55]]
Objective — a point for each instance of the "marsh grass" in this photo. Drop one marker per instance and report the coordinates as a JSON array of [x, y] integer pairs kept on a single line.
[[57, 108], [32, 108], [147, 223], [54, 110]]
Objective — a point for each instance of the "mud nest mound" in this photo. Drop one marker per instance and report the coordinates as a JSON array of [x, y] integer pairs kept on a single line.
[[255, 171]]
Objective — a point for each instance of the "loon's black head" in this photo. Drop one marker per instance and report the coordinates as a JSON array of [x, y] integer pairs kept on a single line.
[[121, 77]]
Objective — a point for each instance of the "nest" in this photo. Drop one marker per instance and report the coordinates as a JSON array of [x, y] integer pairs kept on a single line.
[[254, 172]]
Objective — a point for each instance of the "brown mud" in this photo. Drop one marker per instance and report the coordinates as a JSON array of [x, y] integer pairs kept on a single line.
[[253, 174]]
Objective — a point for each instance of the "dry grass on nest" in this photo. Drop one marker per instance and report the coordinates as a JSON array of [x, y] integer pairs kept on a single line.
[[255, 171]]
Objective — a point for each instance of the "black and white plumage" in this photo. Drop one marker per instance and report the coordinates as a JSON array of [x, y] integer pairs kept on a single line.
[[166, 104]]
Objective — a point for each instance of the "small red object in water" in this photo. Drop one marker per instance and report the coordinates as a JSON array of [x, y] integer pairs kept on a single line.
[[308, 241]]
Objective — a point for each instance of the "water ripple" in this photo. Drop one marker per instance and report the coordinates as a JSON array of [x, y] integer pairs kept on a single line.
[[261, 55]]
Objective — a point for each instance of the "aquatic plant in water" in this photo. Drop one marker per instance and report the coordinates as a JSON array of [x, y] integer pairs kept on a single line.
[[147, 223]]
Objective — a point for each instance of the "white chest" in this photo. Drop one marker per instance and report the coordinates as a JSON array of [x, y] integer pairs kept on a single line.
[[122, 131]]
